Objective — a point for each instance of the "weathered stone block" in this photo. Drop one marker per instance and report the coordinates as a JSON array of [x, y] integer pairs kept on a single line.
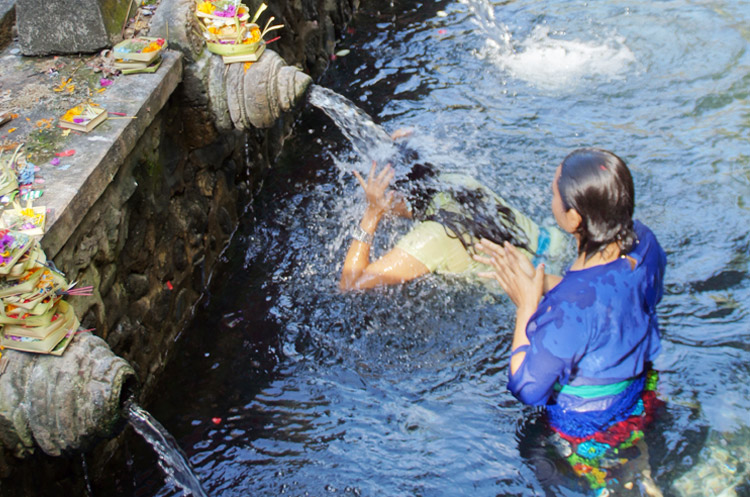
[[69, 26], [7, 20], [107, 275]]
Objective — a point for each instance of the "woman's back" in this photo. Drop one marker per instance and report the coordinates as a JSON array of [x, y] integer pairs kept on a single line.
[[594, 334]]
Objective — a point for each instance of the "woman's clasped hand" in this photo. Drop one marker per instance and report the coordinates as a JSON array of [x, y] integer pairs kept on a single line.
[[515, 273]]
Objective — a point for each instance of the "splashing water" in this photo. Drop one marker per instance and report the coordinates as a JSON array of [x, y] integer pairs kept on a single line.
[[484, 17], [368, 139], [554, 64], [86, 477], [371, 142], [172, 459], [544, 59]]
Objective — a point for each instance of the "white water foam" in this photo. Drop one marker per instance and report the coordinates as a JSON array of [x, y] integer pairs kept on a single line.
[[556, 64], [369, 140], [545, 59]]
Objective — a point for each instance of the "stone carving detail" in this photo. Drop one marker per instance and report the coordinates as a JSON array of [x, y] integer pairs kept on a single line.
[[62, 404], [258, 96]]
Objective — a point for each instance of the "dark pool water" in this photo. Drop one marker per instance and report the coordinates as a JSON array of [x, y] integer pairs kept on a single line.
[[284, 385]]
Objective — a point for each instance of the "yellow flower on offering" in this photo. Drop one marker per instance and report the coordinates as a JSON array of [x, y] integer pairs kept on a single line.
[[152, 47], [72, 113], [206, 7], [254, 34]]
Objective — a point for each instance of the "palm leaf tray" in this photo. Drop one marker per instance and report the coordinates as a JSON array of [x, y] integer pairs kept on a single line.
[[233, 48]]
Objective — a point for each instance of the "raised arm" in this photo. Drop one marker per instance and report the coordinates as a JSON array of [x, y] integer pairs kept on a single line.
[[394, 267]]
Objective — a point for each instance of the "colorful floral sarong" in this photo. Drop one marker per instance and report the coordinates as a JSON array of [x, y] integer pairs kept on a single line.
[[597, 457]]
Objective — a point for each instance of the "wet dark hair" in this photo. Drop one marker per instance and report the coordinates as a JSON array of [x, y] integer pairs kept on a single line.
[[599, 186], [479, 215]]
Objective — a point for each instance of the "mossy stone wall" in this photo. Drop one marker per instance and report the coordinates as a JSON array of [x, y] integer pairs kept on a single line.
[[151, 241]]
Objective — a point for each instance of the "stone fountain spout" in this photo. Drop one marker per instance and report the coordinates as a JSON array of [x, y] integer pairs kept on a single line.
[[237, 97], [256, 97], [63, 404]]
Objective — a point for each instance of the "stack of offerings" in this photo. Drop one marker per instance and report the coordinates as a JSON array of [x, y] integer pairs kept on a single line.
[[33, 316], [141, 54], [16, 183], [225, 27]]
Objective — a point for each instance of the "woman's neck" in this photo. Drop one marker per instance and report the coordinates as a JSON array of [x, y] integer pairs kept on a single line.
[[609, 254]]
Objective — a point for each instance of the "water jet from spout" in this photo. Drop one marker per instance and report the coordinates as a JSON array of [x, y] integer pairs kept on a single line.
[[368, 140], [172, 459]]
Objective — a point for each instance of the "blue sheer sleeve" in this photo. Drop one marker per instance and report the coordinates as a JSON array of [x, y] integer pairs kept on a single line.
[[556, 334]]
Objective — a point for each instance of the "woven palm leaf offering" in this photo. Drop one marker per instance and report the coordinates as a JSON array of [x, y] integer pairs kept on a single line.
[[27, 220], [13, 246], [141, 54], [8, 176], [142, 49], [225, 27], [34, 317], [83, 117]]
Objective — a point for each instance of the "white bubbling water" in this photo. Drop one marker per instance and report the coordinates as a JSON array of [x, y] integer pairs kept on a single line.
[[556, 64], [544, 59]]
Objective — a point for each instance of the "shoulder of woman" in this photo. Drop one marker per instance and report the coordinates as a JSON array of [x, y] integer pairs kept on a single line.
[[570, 296], [648, 247], [576, 292]]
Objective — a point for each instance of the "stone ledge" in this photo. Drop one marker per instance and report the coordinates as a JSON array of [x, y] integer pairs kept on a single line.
[[70, 196], [70, 192]]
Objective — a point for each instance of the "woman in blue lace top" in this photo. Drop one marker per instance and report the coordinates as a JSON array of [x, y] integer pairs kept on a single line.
[[583, 343]]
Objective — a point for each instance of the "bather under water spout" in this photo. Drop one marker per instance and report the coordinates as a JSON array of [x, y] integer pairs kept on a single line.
[[172, 459]]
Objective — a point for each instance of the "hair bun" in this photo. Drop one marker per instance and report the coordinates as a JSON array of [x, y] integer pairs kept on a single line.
[[626, 239]]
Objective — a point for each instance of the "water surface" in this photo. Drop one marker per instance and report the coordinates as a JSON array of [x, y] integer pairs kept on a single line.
[[284, 385]]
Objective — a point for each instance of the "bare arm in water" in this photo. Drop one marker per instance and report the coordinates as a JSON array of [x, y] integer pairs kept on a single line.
[[394, 267]]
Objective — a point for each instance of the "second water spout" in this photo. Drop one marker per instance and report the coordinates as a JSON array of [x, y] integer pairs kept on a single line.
[[172, 459]]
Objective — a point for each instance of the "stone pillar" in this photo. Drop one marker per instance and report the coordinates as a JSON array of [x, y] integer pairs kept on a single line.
[[70, 26]]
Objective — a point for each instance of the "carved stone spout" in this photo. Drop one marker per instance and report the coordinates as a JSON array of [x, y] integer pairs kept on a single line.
[[62, 404], [236, 98], [259, 95]]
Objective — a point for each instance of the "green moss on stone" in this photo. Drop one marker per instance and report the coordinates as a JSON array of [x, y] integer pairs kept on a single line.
[[41, 144], [115, 13], [153, 168]]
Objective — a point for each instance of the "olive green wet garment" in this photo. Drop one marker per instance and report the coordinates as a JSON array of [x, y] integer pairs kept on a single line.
[[430, 243]]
